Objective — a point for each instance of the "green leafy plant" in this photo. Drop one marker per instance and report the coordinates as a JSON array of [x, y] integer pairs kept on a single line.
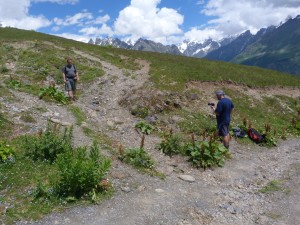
[[206, 153], [47, 145], [42, 191], [144, 127], [269, 137], [270, 141], [80, 171], [54, 94], [138, 158], [14, 84], [6, 152], [171, 144]]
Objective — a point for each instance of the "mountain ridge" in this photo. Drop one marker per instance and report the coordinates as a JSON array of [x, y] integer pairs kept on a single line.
[[278, 49], [246, 48]]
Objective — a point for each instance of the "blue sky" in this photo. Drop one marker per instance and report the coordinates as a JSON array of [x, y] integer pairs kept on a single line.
[[165, 21]]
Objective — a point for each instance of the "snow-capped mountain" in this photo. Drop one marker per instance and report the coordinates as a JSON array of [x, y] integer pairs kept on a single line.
[[198, 49], [141, 45], [201, 49], [115, 42], [238, 45], [187, 48]]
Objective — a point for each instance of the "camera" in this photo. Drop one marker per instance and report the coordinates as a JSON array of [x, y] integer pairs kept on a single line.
[[211, 104]]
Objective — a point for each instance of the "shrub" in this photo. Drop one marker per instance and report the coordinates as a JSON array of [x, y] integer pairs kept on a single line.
[[144, 127], [171, 144], [47, 145], [137, 157], [269, 140], [79, 173], [269, 137], [6, 152], [206, 153], [54, 94]]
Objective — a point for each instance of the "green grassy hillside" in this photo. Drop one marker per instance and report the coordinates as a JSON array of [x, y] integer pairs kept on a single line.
[[36, 56], [165, 69]]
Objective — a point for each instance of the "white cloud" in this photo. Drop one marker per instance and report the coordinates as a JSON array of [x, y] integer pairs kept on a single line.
[[28, 23], [237, 16], [55, 28], [200, 2], [85, 20], [101, 19], [97, 31], [74, 37], [14, 13], [201, 35], [14, 9], [143, 19], [77, 19], [59, 1]]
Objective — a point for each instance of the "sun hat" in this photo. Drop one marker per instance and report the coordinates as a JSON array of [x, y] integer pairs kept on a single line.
[[220, 92]]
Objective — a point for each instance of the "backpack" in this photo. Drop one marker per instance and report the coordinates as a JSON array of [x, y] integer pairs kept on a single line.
[[238, 132], [255, 136], [65, 69]]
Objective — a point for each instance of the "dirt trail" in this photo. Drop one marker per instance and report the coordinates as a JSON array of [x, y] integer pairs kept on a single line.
[[101, 101], [228, 195]]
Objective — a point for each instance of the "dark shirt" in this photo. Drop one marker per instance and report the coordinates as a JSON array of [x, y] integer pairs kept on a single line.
[[223, 111], [70, 71]]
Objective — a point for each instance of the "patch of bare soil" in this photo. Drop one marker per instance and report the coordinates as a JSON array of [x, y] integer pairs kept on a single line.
[[207, 90], [228, 195]]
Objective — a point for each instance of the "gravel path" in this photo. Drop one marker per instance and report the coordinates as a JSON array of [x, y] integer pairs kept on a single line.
[[227, 195]]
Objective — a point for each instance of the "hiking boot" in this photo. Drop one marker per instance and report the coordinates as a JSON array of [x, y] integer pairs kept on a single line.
[[70, 99]]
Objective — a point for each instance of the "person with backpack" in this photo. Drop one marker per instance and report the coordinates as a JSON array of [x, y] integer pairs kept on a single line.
[[70, 76], [223, 115]]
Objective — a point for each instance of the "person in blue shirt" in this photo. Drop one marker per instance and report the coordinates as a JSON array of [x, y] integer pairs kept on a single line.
[[223, 115]]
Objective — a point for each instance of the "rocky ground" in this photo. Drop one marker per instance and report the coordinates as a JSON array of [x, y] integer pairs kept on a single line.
[[228, 195]]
